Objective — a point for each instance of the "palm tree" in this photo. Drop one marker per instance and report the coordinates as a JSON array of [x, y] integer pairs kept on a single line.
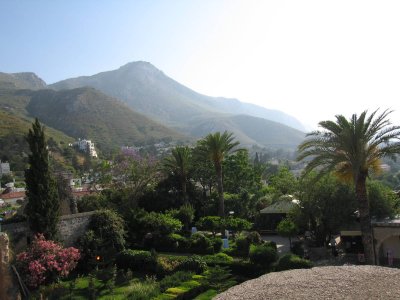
[[214, 147], [352, 149], [179, 163]]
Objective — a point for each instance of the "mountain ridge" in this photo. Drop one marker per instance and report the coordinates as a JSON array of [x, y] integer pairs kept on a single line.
[[137, 80]]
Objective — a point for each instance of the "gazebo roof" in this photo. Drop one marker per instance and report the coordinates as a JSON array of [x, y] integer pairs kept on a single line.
[[280, 207]]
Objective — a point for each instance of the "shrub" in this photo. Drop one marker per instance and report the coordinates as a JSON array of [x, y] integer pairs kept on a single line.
[[210, 223], [219, 278], [216, 244], [254, 237], [143, 290], [242, 245], [201, 244], [136, 260], [167, 265], [193, 263], [271, 244], [170, 242], [46, 261], [243, 270], [263, 255], [174, 280], [160, 224], [290, 261], [219, 258], [237, 224]]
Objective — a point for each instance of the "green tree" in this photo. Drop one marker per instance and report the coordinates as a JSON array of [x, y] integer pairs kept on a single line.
[[240, 173], [43, 203], [325, 206], [215, 147], [283, 183], [287, 228], [105, 237], [179, 163], [383, 201], [352, 149]]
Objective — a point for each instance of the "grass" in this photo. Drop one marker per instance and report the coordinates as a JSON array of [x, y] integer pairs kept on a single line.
[[133, 289], [207, 295]]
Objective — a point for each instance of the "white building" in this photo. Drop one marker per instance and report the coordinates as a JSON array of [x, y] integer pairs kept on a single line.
[[86, 146]]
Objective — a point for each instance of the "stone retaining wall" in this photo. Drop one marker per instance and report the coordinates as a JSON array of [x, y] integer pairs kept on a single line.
[[71, 227]]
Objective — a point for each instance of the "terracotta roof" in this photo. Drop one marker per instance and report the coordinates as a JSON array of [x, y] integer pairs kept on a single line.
[[12, 195]]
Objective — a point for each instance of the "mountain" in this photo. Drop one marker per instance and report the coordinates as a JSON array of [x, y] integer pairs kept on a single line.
[[78, 113], [88, 113], [25, 80], [250, 131], [149, 91]]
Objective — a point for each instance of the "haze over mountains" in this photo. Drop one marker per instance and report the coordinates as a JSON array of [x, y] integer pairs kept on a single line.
[[139, 104]]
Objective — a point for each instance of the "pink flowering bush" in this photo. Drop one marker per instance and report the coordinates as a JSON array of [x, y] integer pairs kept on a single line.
[[46, 261]]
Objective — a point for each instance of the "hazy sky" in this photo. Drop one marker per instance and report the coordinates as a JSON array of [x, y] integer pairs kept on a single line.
[[311, 59]]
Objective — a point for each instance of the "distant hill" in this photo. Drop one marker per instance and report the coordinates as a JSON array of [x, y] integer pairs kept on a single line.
[[79, 113], [250, 131], [88, 113], [25, 80], [148, 90]]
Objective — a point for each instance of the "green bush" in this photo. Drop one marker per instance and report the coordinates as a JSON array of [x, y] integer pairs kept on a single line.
[[263, 255], [271, 244], [242, 245], [201, 244], [194, 264], [216, 244], [143, 290], [171, 242], [217, 259], [254, 237], [136, 260], [244, 270], [291, 261], [175, 279], [210, 223]]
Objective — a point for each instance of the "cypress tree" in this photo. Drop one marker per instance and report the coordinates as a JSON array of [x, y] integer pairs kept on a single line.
[[43, 204]]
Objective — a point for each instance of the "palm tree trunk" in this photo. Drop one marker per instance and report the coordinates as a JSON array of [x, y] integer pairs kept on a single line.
[[183, 186], [221, 207], [365, 219]]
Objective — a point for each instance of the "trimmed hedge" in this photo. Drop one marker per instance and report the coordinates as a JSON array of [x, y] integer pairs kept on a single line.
[[136, 260], [194, 264], [263, 255], [291, 261]]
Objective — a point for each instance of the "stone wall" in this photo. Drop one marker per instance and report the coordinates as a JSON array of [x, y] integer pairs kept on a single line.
[[71, 227]]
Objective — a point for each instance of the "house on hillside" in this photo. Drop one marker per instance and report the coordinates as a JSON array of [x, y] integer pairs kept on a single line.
[[86, 146]]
